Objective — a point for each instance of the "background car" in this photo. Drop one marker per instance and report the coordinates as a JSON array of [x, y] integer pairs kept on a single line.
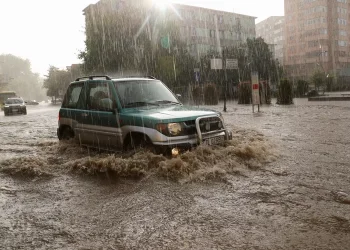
[[15, 106], [31, 102]]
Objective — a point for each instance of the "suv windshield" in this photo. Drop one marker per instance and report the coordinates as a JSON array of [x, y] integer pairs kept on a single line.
[[14, 101], [143, 93]]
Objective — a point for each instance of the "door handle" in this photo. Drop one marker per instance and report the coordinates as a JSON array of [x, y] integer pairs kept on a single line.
[[84, 115]]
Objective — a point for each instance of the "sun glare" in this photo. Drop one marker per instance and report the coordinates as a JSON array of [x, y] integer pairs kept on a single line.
[[161, 4]]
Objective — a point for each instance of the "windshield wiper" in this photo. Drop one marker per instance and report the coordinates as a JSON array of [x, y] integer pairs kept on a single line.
[[167, 102], [137, 104]]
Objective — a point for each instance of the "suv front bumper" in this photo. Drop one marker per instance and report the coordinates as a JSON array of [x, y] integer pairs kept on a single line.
[[199, 138]]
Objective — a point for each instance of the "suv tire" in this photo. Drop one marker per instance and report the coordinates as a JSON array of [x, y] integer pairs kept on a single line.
[[66, 134], [136, 142]]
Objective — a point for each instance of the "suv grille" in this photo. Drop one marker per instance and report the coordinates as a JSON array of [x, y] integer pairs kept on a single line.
[[210, 124], [206, 125]]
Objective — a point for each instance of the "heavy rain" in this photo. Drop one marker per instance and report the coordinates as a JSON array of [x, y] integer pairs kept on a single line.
[[178, 125]]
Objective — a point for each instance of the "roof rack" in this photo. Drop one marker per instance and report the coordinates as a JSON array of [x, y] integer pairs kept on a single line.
[[151, 77], [92, 77]]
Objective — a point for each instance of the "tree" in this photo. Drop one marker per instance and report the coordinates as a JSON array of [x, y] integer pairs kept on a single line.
[[302, 88], [285, 93], [16, 75], [319, 80], [56, 82]]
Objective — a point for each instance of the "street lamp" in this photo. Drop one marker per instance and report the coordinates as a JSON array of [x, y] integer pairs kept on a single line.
[[319, 59]]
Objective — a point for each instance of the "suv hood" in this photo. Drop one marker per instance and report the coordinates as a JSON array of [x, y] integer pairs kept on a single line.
[[167, 113]]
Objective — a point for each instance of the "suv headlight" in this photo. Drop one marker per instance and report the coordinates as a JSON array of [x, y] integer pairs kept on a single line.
[[172, 129]]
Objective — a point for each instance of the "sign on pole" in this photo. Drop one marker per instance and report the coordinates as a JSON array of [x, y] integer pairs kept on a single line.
[[231, 64], [197, 76], [255, 89], [216, 63]]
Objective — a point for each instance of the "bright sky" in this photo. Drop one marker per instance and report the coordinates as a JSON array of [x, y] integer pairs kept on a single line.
[[51, 32]]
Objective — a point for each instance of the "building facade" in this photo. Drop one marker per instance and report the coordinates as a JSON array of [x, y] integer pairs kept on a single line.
[[272, 31], [201, 29], [316, 37], [211, 30]]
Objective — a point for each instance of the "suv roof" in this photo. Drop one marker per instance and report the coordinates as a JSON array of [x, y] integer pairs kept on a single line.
[[93, 77]]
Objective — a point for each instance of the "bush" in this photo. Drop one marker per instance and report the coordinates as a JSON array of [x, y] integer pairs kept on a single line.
[[244, 93], [302, 88], [265, 90], [312, 93], [197, 95], [211, 96], [285, 93]]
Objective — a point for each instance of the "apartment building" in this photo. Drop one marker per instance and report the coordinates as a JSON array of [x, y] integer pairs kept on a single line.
[[272, 31], [316, 37], [201, 29], [207, 30]]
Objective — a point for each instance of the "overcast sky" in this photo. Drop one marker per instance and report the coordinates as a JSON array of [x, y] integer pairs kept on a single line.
[[51, 32]]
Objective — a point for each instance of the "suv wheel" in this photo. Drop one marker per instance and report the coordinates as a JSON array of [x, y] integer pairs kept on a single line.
[[5, 113], [66, 134], [25, 112], [137, 142]]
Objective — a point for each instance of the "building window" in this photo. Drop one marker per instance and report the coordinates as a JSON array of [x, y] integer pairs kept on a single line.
[[342, 1], [342, 43], [221, 19], [342, 10], [323, 31], [212, 33], [342, 33], [341, 21]]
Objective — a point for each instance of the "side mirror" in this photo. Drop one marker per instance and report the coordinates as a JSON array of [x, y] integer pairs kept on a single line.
[[178, 96]]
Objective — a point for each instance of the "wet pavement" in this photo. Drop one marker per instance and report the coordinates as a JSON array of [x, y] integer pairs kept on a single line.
[[283, 183]]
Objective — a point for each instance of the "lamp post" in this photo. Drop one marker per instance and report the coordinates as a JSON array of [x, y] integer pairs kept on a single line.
[[321, 65], [319, 59]]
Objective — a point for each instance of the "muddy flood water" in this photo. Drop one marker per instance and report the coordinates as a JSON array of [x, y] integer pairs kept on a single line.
[[283, 182]]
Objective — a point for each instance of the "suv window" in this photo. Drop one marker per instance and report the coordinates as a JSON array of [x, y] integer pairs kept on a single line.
[[99, 97], [72, 97]]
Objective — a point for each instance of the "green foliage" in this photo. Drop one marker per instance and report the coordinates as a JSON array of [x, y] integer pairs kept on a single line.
[[265, 92], [260, 57], [245, 93], [302, 88], [285, 93], [211, 96], [57, 80], [319, 79], [197, 94]]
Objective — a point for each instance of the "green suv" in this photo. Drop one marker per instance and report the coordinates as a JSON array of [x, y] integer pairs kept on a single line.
[[135, 112]]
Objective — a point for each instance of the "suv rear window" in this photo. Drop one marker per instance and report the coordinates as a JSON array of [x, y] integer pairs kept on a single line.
[[72, 96]]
